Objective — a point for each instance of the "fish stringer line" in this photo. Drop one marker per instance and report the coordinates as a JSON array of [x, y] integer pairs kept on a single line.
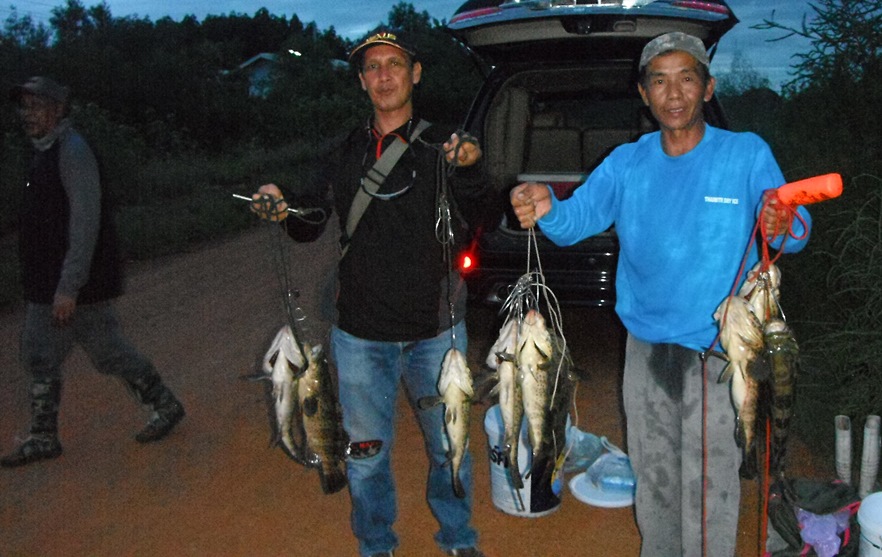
[[444, 230], [555, 318], [279, 253]]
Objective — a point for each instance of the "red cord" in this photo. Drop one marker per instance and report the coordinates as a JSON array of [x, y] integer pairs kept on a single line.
[[764, 514]]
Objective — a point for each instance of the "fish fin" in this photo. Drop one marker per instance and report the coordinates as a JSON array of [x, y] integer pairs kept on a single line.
[[256, 377], [544, 355], [310, 406], [427, 402], [332, 479], [458, 489], [727, 373], [506, 357], [270, 362], [482, 386], [748, 469], [513, 468], [494, 391], [295, 453], [298, 372]]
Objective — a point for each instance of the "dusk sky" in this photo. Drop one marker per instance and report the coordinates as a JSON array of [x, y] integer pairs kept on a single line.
[[353, 18]]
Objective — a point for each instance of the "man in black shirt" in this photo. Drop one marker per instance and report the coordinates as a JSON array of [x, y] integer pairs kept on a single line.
[[400, 303]]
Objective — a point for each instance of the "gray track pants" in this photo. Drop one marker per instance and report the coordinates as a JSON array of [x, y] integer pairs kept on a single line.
[[662, 390]]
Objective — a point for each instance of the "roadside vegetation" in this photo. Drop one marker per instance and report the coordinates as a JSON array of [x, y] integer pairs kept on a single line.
[[170, 115]]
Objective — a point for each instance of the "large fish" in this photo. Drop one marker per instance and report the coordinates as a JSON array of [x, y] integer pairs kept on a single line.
[[511, 404], [326, 442], [283, 363], [742, 338], [782, 354], [455, 386], [534, 353]]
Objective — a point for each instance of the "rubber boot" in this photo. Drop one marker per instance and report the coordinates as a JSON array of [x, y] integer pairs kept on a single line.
[[870, 456], [167, 410], [42, 444], [843, 448]]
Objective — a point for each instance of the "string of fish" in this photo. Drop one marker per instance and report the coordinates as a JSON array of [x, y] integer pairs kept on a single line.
[[762, 360], [305, 399], [455, 381], [529, 292], [523, 310], [280, 257]]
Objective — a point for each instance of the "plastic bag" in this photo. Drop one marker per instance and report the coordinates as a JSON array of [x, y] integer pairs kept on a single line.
[[612, 471], [583, 449], [822, 531]]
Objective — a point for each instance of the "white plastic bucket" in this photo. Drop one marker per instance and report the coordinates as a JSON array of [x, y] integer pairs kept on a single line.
[[536, 498], [870, 518]]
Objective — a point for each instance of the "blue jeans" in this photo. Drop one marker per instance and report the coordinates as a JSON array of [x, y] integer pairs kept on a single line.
[[369, 373]]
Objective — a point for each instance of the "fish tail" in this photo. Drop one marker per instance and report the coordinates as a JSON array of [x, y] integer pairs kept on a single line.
[[748, 469]]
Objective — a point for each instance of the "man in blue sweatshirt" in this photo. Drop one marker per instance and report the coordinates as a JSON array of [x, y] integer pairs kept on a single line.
[[684, 201]]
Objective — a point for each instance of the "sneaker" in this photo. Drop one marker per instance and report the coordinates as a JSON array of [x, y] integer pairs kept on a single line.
[[384, 554], [33, 449], [162, 422], [465, 552]]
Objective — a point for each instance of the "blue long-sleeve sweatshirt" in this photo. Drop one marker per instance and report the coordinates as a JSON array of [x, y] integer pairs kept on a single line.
[[683, 223]]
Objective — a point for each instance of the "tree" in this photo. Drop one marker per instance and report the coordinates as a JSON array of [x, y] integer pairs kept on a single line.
[[740, 78], [846, 42]]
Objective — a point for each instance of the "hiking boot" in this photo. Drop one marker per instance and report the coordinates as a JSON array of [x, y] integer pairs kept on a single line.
[[465, 552], [167, 410], [33, 449], [164, 419], [42, 444]]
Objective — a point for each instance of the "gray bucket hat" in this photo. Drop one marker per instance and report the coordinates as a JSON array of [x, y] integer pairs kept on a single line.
[[42, 87], [674, 41]]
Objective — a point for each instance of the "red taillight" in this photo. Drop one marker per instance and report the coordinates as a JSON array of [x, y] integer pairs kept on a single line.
[[467, 262], [699, 5], [474, 13]]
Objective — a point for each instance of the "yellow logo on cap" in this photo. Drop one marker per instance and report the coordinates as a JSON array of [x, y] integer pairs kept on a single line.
[[383, 37]]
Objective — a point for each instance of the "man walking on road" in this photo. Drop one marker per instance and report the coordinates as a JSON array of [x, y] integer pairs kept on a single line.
[[70, 272]]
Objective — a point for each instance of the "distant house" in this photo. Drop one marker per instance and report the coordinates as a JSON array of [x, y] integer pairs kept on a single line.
[[260, 71]]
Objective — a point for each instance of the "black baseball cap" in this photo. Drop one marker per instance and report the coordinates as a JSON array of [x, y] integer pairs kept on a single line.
[[382, 36]]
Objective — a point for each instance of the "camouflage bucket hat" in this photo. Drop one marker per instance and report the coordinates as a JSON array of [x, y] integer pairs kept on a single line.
[[671, 42]]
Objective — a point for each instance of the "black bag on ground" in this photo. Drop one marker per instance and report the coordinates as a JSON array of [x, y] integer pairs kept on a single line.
[[787, 496]]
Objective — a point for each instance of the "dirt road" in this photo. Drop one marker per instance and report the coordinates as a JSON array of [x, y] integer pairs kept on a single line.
[[214, 487]]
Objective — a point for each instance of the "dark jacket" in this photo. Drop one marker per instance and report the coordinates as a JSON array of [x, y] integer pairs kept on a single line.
[[394, 279], [44, 236]]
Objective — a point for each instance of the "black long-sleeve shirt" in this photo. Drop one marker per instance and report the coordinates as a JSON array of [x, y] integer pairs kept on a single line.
[[394, 279]]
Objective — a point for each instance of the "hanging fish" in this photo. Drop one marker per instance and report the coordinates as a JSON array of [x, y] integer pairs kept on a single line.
[[534, 352], [326, 441], [782, 354], [742, 339], [283, 364], [511, 404], [456, 393]]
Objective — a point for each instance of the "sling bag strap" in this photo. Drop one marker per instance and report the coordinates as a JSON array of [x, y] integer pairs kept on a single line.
[[373, 180]]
